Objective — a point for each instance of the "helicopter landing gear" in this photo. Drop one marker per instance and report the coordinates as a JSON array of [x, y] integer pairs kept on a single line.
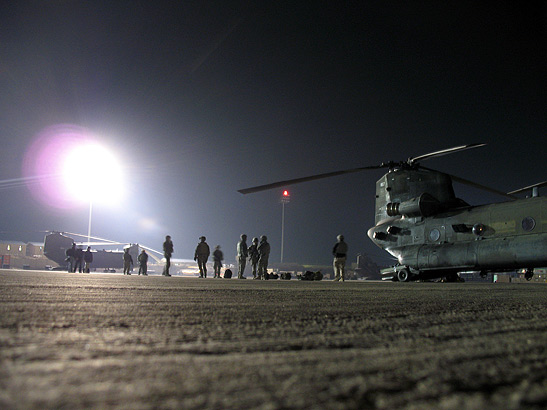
[[528, 274], [404, 275], [453, 277]]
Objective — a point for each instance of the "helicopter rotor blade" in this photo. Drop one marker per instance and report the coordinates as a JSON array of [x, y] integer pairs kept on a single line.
[[538, 185], [305, 179], [474, 184], [443, 152]]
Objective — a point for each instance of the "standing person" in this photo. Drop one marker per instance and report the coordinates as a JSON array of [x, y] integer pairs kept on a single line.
[[253, 256], [242, 253], [143, 263], [201, 255], [79, 259], [263, 255], [88, 258], [340, 252], [127, 262], [218, 257], [167, 252], [71, 257]]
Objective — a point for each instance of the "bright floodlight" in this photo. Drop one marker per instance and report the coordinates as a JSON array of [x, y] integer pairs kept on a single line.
[[91, 173]]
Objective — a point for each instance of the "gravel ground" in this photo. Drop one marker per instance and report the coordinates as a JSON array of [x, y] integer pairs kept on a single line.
[[106, 341]]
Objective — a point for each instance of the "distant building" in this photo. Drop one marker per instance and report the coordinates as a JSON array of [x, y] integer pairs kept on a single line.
[[21, 255], [13, 248]]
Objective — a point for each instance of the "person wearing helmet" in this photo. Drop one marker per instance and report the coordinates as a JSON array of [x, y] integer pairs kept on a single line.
[[71, 257], [88, 259], [340, 252], [143, 263], [201, 255], [127, 262], [167, 252], [253, 256], [218, 256], [242, 253], [263, 255]]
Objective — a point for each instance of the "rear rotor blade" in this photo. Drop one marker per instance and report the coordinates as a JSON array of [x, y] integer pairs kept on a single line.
[[474, 184], [443, 152], [304, 179], [538, 185]]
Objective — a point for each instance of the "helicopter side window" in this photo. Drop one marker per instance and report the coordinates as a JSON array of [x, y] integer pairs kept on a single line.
[[528, 223], [434, 235]]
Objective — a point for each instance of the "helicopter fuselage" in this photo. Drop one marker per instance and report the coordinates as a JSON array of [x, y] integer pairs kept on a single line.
[[495, 237], [432, 233]]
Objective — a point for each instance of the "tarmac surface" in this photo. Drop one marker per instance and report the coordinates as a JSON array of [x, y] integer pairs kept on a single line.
[[109, 341]]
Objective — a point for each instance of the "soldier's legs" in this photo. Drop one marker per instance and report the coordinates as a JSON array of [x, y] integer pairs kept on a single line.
[[254, 269], [202, 265], [242, 262], [339, 269], [263, 270], [167, 266]]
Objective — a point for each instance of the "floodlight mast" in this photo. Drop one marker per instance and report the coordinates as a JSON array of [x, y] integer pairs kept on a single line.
[[285, 199], [89, 224]]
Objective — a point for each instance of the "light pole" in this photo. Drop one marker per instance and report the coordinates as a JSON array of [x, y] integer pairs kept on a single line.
[[89, 224], [285, 199]]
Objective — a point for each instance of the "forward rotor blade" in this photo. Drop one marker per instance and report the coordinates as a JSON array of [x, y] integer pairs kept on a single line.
[[474, 184], [151, 250], [94, 238], [518, 191], [304, 179], [443, 152]]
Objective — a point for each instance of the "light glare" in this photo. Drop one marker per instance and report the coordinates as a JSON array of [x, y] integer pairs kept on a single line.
[[91, 173]]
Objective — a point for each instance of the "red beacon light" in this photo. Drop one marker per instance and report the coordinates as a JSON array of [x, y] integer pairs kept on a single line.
[[285, 197]]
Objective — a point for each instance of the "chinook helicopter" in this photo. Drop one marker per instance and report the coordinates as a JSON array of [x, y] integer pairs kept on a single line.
[[434, 234]]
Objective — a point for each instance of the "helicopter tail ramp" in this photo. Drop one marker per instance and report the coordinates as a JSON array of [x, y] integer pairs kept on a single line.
[[56, 244]]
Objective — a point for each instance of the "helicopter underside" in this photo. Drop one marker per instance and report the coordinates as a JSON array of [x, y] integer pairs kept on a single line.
[[483, 255]]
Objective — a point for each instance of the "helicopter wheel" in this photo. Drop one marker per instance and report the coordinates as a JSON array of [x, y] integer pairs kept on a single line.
[[403, 275], [528, 274]]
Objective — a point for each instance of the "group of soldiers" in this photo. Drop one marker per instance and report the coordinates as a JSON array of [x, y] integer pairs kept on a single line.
[[257, 253], [78, 260], [201, 255], [128, 262]]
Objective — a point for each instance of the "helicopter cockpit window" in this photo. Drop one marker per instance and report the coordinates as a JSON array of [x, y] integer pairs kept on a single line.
[[434, 235], [528, 223]]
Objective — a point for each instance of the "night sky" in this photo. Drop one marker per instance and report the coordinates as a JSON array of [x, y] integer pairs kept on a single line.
[[199, 99]]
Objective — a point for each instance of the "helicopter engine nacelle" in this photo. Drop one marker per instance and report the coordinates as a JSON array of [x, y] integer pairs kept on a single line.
[[424, 205]]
